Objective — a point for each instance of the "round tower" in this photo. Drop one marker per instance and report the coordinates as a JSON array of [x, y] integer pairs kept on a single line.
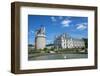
[[40, 38]]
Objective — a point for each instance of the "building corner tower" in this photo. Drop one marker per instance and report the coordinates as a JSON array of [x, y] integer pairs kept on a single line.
[[40, 38]]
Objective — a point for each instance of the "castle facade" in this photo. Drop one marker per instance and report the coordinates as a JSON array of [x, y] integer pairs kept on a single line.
[[64, 41]]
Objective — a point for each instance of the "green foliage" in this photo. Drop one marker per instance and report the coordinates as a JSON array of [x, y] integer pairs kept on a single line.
[[52, 49], [86, 42], [59, 50], [45, 49]]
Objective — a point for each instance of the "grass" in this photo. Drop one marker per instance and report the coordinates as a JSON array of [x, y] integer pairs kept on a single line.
[[56, 51]]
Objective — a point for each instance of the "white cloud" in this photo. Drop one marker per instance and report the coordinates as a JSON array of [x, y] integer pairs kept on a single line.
[[53, 19], [32, 32], [85, 23], [81, 26], [66, 22]]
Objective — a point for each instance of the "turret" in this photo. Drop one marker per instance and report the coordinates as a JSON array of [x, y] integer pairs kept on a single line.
[[40, 38]]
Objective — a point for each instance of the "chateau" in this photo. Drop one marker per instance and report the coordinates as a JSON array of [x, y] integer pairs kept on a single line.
[[62, 41]]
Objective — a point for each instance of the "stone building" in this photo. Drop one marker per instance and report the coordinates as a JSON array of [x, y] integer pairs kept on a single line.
[[40, 38], [64, 41]]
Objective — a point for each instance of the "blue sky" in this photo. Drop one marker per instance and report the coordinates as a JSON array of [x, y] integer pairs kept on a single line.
[[76, 27]]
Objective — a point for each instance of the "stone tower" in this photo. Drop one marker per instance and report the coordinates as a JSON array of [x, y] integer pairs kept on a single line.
[[40, 38]]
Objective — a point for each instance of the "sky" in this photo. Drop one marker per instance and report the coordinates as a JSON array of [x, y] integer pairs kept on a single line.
[[76, 27]]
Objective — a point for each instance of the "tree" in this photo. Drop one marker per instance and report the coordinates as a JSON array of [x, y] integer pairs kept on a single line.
[[46, 50], [86, 42], [52, 49]]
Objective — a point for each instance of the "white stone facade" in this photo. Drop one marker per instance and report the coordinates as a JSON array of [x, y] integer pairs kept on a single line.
[[64, 41], [40, 38]]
